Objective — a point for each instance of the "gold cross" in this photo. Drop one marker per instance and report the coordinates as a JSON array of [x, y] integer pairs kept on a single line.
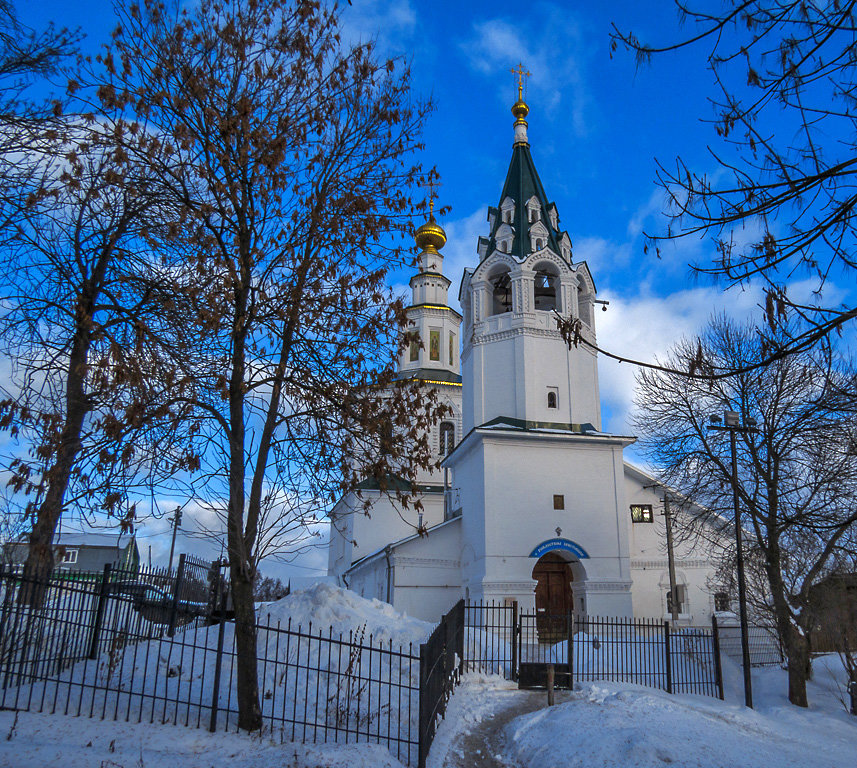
[[431, 184], [521, 75]]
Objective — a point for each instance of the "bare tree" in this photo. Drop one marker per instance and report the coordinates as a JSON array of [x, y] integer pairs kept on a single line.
[[83, 330], [290, 162], [781, 198], [797, 473]]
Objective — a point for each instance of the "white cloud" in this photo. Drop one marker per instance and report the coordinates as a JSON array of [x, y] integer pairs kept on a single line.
[[645, 327], [391, 23], [460, 250], [549, 43]]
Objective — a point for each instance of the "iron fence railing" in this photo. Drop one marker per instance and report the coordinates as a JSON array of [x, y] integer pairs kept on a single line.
[[499, 639], [95, 647], [490, 638], [765, 647], [440, 671]]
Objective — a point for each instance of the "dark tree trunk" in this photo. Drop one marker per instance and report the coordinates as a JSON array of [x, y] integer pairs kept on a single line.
[[247, 677], [240, 543], [40, 559], [797, 649]]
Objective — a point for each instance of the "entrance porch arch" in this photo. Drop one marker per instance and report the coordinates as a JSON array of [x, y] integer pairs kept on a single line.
[[555, 574]]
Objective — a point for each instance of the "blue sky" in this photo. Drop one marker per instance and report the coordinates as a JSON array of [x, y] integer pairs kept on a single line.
[[596, 126]]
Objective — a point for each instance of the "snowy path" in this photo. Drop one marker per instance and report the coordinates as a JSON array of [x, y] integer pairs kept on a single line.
[[473, 732]]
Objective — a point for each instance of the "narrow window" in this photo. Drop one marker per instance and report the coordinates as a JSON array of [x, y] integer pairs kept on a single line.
[[721, 601], [545, 286], [552, 399], [558, 501], [447, 438], [386, 435], [681, 599], [451, 348], [502, 294], [642, 513]]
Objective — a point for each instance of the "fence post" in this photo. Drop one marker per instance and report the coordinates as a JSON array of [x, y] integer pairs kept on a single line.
[[218, 661], [515, 640], [668, 657], [425, 707], [177, 588], [99, 612], [718, 669], [571, 618]]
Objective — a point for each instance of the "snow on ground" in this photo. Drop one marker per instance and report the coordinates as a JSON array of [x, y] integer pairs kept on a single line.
[[623, 725], [45, 741], [488, 723]]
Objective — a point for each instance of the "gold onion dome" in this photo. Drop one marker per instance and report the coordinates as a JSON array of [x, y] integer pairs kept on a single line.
[[430, 236]]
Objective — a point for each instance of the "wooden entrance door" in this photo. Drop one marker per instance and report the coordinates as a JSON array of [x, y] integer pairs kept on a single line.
[[553, 597]]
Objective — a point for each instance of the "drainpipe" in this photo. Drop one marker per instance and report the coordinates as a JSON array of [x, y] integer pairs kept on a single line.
[[387, 551]]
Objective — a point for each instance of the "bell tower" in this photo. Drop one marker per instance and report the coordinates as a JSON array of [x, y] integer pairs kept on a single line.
[[542, 497], [434, 357], [515, 364]]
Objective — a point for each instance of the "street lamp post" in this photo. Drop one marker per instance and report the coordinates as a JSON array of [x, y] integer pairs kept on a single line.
[[732, 424]]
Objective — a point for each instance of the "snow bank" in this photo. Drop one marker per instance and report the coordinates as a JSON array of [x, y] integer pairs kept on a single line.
[[324, 605], [622, 726], [35, 741]]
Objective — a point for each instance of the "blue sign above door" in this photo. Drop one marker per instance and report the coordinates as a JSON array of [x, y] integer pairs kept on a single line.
[[565, 544]]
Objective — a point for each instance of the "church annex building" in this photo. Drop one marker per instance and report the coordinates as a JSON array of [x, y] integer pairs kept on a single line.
[[534, 502]]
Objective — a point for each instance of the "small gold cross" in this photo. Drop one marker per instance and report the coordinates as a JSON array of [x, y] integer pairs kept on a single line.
[[521, 73], [431, 184]]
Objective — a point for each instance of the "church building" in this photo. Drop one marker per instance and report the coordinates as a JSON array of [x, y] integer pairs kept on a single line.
[[532, 501]]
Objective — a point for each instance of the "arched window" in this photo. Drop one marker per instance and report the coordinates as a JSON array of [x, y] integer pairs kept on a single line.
[[545, 291], [447, 437], [502, 293], [552, 399], [584, 305]]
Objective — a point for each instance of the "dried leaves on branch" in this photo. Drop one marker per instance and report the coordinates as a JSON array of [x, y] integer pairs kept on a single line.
[[289, 158]]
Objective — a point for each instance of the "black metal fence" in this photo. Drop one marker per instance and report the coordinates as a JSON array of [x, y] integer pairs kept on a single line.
[[490, 638], [440, 671], [765, 647], [519, 646], [102, 646]]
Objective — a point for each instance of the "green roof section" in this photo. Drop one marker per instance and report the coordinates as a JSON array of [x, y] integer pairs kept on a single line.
[[396, 483], [522, 183], [506, 422], [430, 374]]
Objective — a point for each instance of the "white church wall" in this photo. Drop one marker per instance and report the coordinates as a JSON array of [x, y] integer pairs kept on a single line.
[[341, 535], [695, 565], [387, 521], [427, 572], [510, 480], [370, 579]]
